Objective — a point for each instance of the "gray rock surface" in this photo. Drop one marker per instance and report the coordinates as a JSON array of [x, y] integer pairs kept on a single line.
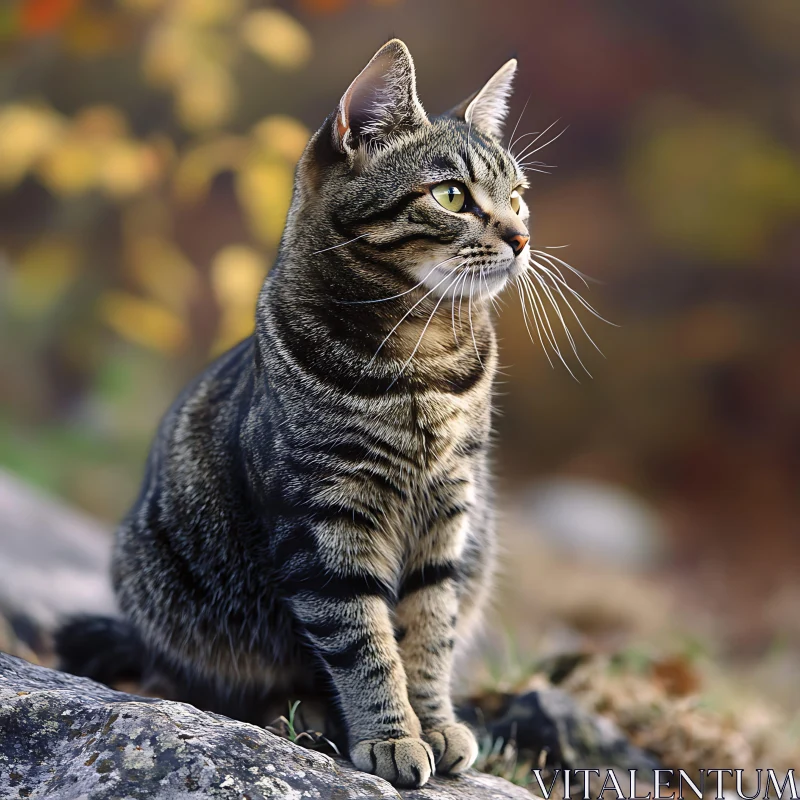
[[595, 522], [53, 559], [68, 738]]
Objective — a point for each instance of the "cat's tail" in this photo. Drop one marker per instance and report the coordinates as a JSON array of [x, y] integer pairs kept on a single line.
[[106, 649]]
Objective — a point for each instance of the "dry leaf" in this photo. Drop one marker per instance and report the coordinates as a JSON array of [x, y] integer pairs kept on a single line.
[[205, 97], [283, 135], [277, 38], [265, 192], [27, 133], [143, 322], [237, 273]]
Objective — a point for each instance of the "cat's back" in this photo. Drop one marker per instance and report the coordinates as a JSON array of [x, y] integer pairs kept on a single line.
[[195, 469]]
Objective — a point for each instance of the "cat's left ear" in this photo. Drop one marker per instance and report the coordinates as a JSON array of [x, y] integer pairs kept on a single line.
[[382, 101], [487, 109]]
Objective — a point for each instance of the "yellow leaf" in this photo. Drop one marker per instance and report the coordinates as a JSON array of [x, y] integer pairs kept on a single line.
[[43, 274], [264, 188], [161, 270], [282, 134], [127, 167], [205, 97], [205, 12], [26, 135], [168, 54], [277, 37], [143, 322], [237, 273], [196, 170], [71, 168]]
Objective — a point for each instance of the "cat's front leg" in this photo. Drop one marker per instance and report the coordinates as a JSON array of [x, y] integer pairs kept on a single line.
[[349, 626], [426, 619]]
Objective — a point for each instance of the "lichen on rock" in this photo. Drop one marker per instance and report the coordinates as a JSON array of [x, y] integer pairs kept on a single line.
[[69, 738]]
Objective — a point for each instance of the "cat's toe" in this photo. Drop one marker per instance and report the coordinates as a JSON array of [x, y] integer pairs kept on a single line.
[[407, 763], [454, 747]]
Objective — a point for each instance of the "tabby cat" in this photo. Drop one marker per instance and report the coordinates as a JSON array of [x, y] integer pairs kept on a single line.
[[316, 514]]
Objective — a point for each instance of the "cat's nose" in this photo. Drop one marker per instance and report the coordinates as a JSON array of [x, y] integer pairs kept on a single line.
[[517, 241]]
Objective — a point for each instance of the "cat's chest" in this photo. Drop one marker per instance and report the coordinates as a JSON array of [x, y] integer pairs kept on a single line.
[[434, 430]]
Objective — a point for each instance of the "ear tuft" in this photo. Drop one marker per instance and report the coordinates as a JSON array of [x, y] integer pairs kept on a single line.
[[487, 110], [381, 101]]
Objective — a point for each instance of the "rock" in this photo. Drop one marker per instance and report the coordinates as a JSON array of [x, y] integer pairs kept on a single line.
[[596, 522], [550, 721], [54, 560], [69, 738]]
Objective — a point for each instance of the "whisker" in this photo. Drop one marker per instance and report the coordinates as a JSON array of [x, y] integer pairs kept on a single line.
[[551, 258], [512, 140], [334, 247], [554, 265], [463, 278], [541, 316], [480, 286], [569, 305], [530, 144], [395, 296], [528, 152], [575, 294], [537, 134], [422, 335], [404, 317], [554, 303], [453, 316], [488, 292], [469, 309], [530, 133], [541, 164], [461, 299], [527, 326], [533, 298], [552, 336]]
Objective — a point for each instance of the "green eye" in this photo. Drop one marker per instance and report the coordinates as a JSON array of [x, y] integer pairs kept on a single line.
[[451, 196], [515, 201]]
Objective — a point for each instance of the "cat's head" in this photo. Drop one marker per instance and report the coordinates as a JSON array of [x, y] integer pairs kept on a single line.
[[436, 201]]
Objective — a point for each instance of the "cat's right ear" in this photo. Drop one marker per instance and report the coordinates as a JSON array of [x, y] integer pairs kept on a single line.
[[381, 102], [487, 109]]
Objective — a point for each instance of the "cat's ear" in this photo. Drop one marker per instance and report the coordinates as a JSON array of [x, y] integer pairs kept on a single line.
[[487, 109], [381, 101]]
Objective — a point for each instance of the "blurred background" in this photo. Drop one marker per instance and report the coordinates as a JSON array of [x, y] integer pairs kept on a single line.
[[146, 158]]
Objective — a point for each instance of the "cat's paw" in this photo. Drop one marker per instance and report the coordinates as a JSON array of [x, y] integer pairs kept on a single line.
[[454, 747], [407, 763]]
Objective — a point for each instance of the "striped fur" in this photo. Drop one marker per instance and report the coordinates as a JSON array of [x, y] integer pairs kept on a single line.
[[316, 516]]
